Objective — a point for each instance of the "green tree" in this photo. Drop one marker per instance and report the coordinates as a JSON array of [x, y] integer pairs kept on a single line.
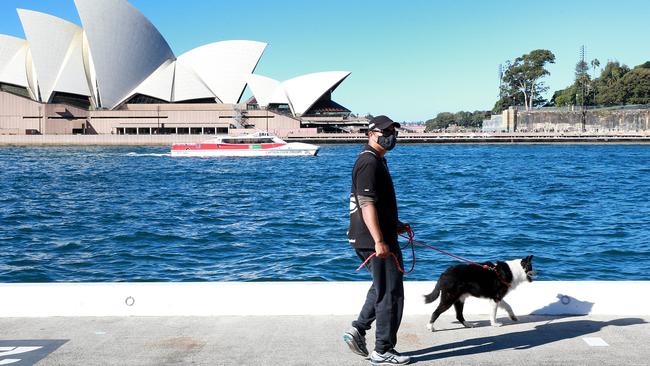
[[616, 85], [582, 82], [595, 63], [509, 95], [645, 65], [565, 97], [636, 86], [462, 119], [440, 122], [524, 76], [609, 87]]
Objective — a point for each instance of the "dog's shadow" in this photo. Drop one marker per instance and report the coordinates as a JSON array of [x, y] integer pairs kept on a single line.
[[563, 307], [542, 334]]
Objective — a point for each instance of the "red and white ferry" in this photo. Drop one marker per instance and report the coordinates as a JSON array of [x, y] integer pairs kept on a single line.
[[256, 144]]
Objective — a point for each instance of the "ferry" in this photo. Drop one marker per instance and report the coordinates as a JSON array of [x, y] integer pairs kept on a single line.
[[256, 144]]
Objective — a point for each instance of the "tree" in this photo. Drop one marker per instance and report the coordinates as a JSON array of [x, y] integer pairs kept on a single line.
[[440, 122], [617, 85], [609, 87], [645, 65], [636, 86], [584, 84], [524, 75], [581, 81], [594, 65], [509, 96], [565, 97], [462, 119]]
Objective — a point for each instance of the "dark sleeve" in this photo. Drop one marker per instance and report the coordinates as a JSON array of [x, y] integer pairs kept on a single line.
[[365, 178]]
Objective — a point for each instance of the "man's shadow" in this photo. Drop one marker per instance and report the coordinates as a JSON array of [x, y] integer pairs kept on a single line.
[[541, 335], [565, 305]]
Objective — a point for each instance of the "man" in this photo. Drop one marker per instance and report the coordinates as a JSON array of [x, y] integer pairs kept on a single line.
[[374, 226]]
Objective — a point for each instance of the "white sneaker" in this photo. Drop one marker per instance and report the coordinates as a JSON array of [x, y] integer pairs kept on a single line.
[[391, 357]]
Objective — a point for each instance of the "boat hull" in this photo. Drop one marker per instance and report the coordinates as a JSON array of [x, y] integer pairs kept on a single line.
[[225, 150]]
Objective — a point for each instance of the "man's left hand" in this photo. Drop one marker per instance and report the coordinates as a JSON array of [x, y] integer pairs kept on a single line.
[[403, 227]]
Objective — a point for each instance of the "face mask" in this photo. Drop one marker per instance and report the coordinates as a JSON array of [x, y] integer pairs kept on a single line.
[[387, 142]]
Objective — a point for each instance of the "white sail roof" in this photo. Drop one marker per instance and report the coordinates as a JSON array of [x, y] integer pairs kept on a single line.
[[89, 67], [72, 78], [56, 47], [303, 91], [32, 78], [126, 47], [224, 66], [13, 63], [188, 85], [300, 92], [266, 90], [159, 84]]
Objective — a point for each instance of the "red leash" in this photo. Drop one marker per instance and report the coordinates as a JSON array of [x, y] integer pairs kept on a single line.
[[411, 242]]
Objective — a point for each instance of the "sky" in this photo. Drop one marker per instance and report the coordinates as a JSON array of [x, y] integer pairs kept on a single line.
[[408, 59]]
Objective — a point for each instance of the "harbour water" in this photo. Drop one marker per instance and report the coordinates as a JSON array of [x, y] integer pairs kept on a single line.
[[86, 214]]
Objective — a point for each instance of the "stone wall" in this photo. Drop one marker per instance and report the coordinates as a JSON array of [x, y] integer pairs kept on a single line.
[[594, 121], [631, 120]]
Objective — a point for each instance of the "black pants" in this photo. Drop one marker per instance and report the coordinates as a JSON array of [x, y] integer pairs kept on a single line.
[[385, 299]]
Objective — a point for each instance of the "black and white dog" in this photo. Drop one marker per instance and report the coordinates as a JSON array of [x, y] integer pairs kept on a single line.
[[459, 282]]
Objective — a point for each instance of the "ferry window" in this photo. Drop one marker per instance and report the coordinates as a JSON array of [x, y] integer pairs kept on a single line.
[[209, 130], [195, 130], [144, 131], [222, 130], [183, 131], [120, 131], [131, 131]]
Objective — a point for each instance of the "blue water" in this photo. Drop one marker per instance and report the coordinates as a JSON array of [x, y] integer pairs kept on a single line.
[[135, 214]]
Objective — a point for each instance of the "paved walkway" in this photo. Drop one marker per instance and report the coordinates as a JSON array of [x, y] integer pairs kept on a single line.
[[316, 340]]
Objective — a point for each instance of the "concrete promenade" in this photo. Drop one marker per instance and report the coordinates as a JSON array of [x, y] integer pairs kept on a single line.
[[301, 323], [316, 340]]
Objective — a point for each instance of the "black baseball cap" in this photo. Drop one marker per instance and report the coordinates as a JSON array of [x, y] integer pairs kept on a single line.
[[381, 123]]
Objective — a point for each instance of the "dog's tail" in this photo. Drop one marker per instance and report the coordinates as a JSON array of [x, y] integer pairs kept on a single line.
[[433, 295]]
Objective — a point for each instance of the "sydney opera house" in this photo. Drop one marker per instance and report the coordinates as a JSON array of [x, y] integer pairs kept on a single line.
[[118, 75]]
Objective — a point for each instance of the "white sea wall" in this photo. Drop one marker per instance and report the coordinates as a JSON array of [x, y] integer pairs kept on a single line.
[[301, 298]]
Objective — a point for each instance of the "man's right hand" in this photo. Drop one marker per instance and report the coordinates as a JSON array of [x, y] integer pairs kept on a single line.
[[381, 249]]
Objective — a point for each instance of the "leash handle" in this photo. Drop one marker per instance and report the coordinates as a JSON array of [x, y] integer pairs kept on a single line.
[[410, 242], [366, 261], [399, 267]]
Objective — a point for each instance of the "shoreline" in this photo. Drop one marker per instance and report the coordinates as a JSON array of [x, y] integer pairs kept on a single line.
[[488, 138], [420, 138]]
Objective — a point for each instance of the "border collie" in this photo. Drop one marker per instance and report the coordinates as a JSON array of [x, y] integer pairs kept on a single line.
[[459, 282]]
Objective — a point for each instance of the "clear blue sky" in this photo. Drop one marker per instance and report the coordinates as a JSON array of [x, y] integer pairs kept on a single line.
[[409, 59]]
